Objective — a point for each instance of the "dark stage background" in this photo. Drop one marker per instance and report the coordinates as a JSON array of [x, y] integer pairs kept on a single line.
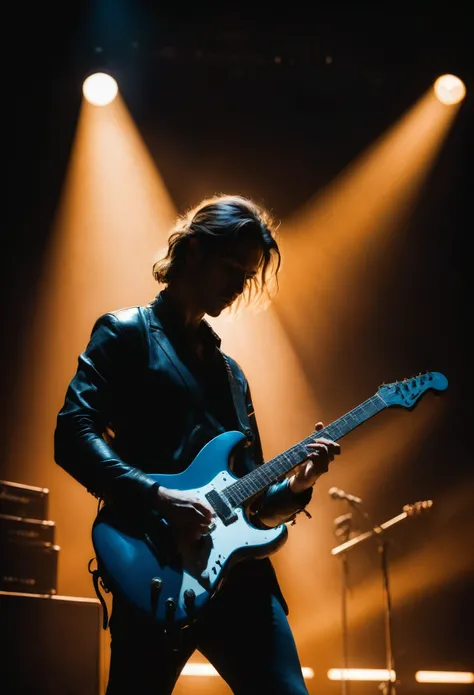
[[275, 104]]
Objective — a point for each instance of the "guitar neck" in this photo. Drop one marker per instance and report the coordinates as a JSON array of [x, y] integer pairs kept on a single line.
[[270, 472]]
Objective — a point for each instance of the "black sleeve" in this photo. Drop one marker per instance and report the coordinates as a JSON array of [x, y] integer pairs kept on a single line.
[[80, 447]]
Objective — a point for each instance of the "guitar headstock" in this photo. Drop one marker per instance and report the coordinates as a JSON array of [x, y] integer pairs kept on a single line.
[[417, 507], [408, 391]]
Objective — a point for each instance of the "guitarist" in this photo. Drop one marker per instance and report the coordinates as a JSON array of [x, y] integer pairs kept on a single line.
[[151, 389]]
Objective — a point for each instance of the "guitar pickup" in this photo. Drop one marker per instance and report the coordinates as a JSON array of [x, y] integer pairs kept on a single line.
[[222, 509]]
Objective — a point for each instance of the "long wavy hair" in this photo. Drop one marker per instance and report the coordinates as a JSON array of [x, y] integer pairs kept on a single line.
[[216, 222]]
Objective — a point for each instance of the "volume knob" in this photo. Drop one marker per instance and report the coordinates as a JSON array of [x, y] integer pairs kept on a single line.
[[189, 599]]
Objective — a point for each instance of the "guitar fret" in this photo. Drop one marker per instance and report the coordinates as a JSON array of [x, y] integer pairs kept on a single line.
[[335, 432], [249, 486]]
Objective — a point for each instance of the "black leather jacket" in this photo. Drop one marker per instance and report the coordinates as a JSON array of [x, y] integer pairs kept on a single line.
[[129, 411]]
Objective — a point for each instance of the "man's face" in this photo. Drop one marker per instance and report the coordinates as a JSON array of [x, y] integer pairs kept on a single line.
[[221, 277]]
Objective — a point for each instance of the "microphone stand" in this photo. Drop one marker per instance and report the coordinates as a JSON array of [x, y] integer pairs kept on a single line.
[[343, 528], [386, 687]]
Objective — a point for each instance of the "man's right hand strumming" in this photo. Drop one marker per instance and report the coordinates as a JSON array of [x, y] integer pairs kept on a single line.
[[184, 512]]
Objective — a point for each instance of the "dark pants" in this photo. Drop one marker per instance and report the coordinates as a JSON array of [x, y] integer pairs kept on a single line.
[[246, 636]]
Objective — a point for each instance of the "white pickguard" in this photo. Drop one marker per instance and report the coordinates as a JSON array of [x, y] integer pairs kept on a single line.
[[203, 572]]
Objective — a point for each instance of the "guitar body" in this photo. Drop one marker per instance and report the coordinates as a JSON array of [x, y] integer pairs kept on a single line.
[[145, 564]]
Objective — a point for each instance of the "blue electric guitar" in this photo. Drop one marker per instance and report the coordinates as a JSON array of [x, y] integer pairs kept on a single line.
[[172, 582]]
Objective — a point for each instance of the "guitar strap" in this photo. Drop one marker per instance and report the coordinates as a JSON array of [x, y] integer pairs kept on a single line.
[[240, 404]]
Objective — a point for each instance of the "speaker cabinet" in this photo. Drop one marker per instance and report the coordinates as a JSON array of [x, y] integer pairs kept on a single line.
[[49, 645]]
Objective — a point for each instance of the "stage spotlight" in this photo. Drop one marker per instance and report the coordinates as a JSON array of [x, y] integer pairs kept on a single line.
[[100, 89], [449, 89], [361, 674], [444, 677]]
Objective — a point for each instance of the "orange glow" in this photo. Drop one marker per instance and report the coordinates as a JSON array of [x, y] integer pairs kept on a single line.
[[113, 216], [361, 674], [444, 677], [329, 243], [337, 249]]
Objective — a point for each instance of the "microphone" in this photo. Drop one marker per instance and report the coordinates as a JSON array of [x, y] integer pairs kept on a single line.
[[337, 494], [343, 525], [343, 519]]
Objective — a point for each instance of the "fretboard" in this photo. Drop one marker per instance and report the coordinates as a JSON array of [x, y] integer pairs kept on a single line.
[[270, 472]]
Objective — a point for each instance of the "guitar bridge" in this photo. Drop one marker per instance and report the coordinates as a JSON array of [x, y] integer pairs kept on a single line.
[[222, 509]]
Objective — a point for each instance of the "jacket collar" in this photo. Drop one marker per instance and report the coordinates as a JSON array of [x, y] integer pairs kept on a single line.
[[166, 316]]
